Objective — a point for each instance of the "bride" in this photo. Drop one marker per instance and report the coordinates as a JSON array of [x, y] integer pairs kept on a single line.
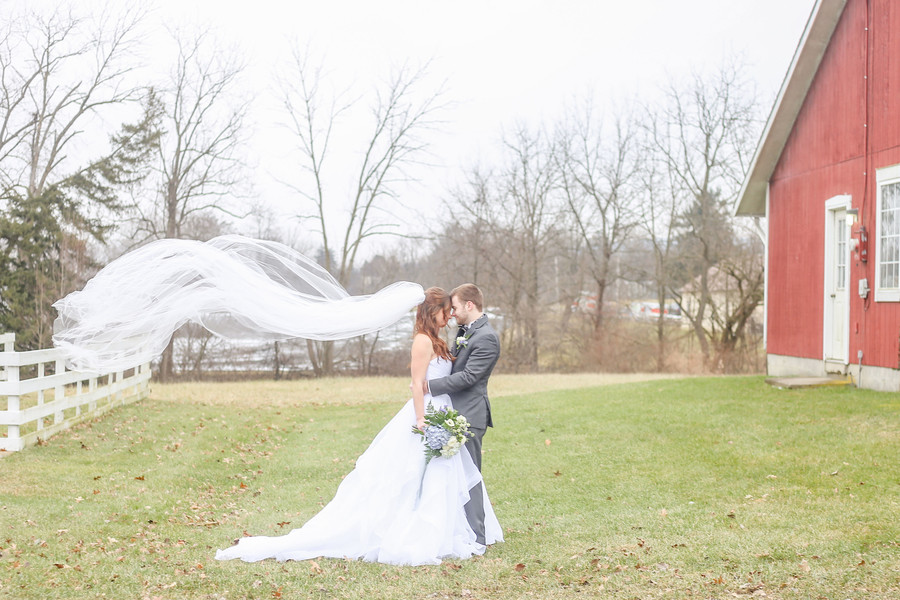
[[378, 513], [240, 287]]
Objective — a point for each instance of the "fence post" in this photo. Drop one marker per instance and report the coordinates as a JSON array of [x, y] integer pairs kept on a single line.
[[14, 441], [92, 388], [7, 340], [78, 393], [40, 395], [59, 391]]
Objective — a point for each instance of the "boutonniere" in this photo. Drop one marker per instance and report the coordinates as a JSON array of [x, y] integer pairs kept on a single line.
[[463, 340]]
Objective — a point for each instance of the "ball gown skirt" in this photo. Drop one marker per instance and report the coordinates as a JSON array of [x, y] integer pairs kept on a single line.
[[378, 513]]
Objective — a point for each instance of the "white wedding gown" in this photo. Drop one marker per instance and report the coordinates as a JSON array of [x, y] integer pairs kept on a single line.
[[377, 514]]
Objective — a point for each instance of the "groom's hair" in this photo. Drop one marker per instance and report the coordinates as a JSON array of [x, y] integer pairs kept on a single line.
[[469, 292]]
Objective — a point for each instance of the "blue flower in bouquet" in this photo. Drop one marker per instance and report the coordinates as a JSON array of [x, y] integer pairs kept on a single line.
[[436, 437]]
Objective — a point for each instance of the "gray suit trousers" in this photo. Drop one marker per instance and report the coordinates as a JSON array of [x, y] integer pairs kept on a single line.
[[475, 506]]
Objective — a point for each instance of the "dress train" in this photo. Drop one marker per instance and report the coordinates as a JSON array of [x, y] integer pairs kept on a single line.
[[377, 514]]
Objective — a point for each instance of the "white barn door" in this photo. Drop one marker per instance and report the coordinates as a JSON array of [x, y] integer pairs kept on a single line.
[[836, 339]]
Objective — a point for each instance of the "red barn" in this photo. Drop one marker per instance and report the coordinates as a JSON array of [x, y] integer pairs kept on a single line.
[[826, 175]]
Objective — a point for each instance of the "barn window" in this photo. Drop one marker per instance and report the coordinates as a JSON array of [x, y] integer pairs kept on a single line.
[[887, 235]]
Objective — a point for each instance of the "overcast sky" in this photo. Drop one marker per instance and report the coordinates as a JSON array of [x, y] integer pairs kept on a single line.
[[501, 60]]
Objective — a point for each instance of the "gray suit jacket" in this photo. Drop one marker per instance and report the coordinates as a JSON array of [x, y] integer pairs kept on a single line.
[[467, 382]]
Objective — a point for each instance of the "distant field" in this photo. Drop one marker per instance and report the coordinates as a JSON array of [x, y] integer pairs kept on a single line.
[[343, 390]]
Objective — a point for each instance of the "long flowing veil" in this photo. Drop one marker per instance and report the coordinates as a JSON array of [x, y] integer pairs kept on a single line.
[[233, 286]]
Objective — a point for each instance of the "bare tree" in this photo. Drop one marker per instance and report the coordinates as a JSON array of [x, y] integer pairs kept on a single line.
[[500, 235], [54, 79], [462, 237], [531, 216], [399, 114], [201, 117], [657, 215], [704, 134], [598, 174]]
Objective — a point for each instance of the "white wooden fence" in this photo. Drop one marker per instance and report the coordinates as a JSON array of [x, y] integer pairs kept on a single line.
[[67, 397]]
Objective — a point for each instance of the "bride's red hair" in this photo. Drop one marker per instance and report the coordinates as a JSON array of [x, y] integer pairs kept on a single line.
[[437, 303]]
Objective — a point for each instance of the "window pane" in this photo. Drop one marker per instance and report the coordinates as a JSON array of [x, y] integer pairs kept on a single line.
[[841, 249], [890, 199], [887, 277], [889, 240]]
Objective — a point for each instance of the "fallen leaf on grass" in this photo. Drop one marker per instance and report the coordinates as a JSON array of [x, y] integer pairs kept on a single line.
[[546, 442], [519, 567], [314, 567]]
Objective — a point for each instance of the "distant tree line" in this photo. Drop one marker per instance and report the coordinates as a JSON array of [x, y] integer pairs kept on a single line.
[[574, 222]]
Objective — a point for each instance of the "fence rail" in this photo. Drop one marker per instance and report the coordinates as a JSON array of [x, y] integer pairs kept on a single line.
[[36, 394]]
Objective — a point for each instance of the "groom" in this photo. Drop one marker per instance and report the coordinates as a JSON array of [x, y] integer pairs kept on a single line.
[[476, 349]]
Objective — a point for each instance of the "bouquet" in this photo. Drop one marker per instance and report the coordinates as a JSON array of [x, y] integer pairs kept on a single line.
[[445, 432]]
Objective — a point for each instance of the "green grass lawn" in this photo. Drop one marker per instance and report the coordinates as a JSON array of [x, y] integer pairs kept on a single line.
[[690, 488]]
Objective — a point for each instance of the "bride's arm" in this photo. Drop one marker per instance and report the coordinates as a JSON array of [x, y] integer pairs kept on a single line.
[[420, 356]]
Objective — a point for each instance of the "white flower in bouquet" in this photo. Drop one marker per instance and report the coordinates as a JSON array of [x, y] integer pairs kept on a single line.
[[451, 447]]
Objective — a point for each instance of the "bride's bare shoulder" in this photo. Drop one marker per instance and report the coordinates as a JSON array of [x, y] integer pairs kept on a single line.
[[421, 342], [423, 346]]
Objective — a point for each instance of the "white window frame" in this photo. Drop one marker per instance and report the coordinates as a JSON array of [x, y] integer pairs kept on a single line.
[[884, 176]]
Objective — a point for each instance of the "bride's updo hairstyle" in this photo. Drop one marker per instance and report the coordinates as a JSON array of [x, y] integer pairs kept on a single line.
[[437, 303]]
